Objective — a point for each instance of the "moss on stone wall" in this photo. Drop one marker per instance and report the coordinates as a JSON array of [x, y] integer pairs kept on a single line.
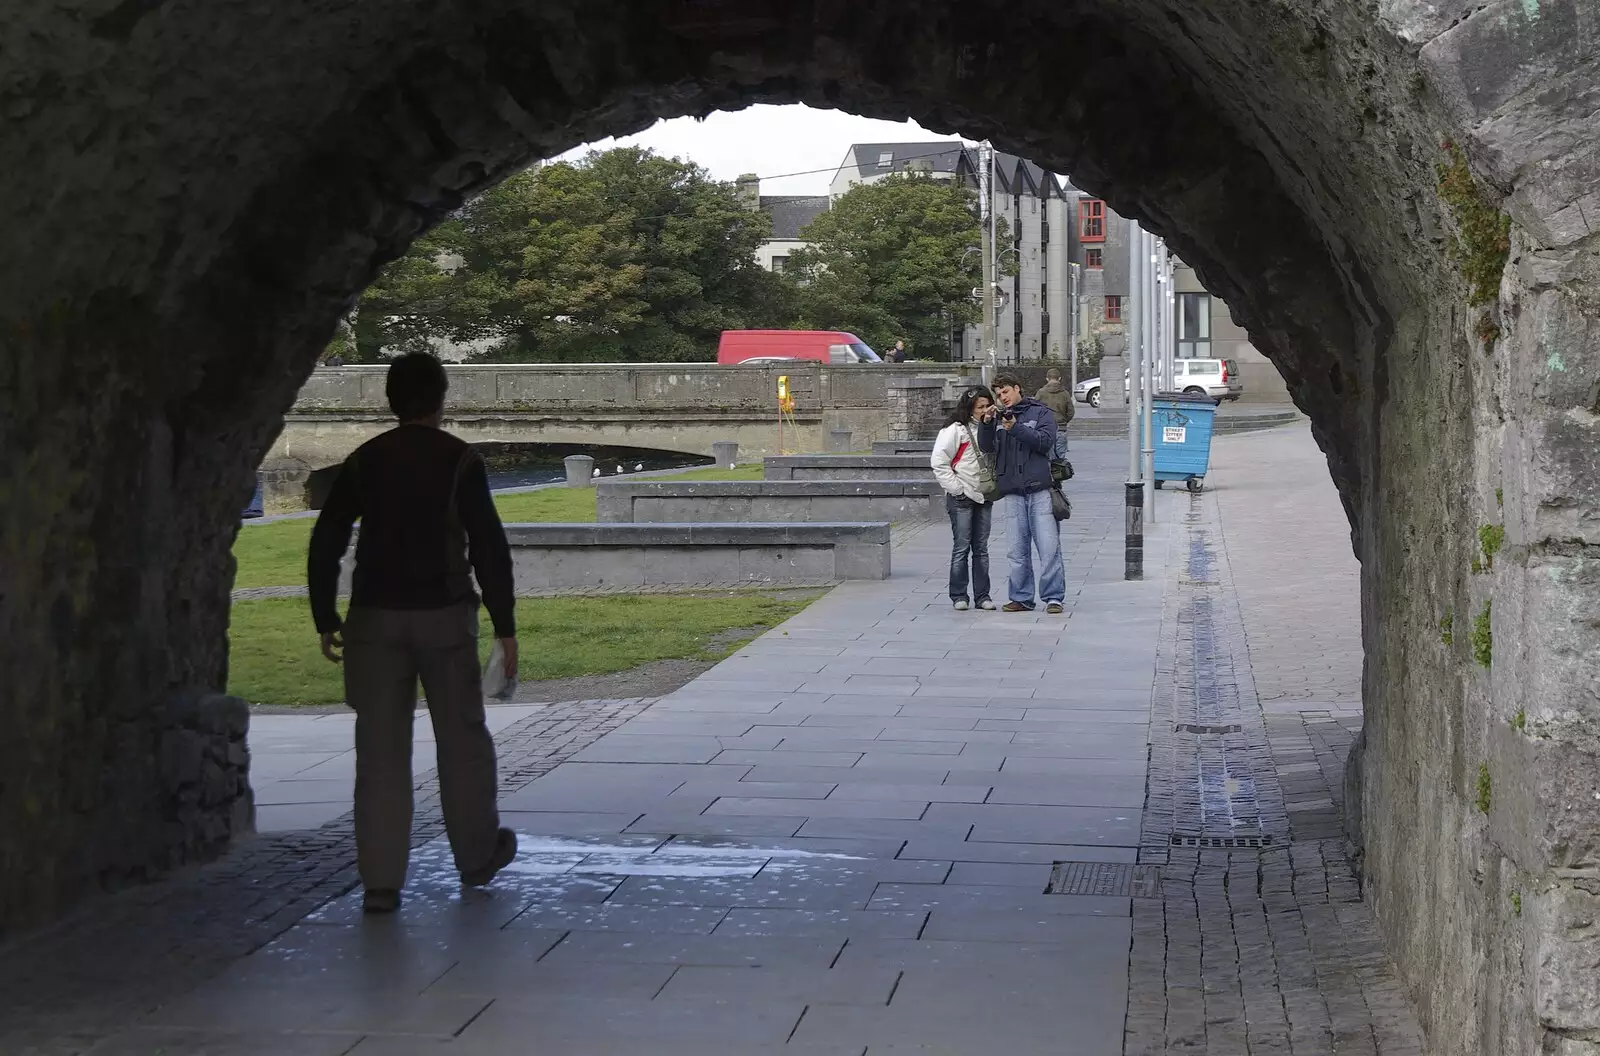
[[1485, 788], [1482, 638], [1447, 624], [1483, 233], [1491, 537]]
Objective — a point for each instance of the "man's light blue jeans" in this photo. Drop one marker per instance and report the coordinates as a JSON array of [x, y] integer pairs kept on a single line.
[[1034, 528]]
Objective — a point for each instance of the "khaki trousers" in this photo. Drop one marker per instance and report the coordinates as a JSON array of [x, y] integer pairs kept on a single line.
[[386, 651]]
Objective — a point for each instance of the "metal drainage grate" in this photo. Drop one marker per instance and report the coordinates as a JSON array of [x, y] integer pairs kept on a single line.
[[1222, 841], [1105, 878], [1190, 727]]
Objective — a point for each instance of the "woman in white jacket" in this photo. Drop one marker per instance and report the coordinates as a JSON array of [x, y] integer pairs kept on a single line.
[[966, 477]]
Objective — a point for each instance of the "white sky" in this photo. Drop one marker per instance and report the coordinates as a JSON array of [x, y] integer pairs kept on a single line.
[[769, 141]]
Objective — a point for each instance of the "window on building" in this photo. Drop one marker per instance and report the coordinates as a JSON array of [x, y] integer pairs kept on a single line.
[[886, 159], [1092, 220], [1113, 309], [1194, 325], [779, 263], [1094, 258]]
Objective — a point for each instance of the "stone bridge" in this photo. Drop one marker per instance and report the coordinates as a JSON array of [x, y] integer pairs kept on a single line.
[[1399, 201], [683, 407]]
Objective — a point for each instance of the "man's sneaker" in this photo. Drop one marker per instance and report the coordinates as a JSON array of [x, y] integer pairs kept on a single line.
[[1015, 606], [1054, 608], [986, 604], [380, 900], [961, 604], [505, 852]]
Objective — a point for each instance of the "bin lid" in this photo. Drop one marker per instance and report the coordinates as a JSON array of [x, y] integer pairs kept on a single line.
[[1185, 397]]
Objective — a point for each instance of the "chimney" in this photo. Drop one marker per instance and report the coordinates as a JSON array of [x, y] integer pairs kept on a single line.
[[748, 188]]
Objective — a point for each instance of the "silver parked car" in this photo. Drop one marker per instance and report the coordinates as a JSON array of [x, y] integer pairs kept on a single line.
[[1217, 378]]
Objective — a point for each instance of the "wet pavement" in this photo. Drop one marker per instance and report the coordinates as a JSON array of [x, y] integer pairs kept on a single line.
[[884, 827]]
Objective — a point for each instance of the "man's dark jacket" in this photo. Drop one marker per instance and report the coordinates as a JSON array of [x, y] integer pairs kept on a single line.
[[1022, 453], [428, 523], [1055, 396]]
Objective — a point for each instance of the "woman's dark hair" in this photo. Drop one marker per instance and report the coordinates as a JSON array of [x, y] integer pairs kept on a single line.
[[416, 386], [962, 415]]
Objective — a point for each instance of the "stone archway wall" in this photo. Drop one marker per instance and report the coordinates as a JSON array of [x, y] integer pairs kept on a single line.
[[206, 186]]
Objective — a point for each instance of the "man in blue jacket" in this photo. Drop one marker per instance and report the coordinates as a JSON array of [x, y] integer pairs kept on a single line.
[[1020, 434]]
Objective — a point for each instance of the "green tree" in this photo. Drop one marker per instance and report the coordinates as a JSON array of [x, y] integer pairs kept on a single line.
[[622, 256], [890, 260]]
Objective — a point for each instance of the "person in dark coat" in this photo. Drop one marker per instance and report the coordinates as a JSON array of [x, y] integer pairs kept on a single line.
[[1055, 396], [1020, 435]]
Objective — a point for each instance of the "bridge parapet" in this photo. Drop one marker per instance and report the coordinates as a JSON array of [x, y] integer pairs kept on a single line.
[[612, 387]]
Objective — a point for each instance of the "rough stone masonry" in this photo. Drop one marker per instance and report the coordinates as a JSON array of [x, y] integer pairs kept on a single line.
[[1398, 199]]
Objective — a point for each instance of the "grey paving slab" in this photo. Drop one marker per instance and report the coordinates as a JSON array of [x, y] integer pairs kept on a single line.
[[615, 916], [956, 896], [668, 823], [962, 850], [823, 923], [718, 950], [167, 1041], [871, 985], [1027, 877], [1000, 925], [494, 973], [777, 888], [908, 810], [924, 793]]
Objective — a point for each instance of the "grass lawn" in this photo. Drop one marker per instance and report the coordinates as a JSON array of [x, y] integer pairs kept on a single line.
[[274, 554], [274, 655]]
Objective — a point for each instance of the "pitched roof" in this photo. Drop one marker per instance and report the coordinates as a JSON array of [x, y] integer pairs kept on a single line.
[[938, 155], [792, 212]]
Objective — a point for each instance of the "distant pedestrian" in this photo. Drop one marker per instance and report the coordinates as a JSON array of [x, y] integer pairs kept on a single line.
[[968, 481], [1020, 434], [423, 500], [897, 354], [1055, 396]]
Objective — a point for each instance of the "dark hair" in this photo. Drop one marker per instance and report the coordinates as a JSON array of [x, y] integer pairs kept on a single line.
[[1002, 380], [962, 415], [416, 386]]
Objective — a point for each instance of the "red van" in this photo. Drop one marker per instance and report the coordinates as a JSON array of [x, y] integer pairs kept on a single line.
[[768, 346]]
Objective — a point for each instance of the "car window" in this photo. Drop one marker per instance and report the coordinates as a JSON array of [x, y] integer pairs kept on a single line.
[[1233, 368], [864, 354]]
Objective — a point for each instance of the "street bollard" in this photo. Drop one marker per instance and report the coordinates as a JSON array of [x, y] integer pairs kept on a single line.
[[580, 471], [726, 452], [1133, 537]]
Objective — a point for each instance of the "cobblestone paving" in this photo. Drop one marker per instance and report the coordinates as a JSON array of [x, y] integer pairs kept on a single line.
[[1262, 949], [63, 989]]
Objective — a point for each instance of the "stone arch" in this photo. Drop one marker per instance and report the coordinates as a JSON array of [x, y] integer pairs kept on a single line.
[[208, 186]]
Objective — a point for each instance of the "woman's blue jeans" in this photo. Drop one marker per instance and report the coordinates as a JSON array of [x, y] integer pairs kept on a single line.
[[969, 531]]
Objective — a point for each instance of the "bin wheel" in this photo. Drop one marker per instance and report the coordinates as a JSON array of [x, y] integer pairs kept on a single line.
[[1195, 484]]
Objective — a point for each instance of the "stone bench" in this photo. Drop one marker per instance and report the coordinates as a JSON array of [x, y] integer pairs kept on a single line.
[[903, 447], [766, 501], [847, 467], [619, 557]]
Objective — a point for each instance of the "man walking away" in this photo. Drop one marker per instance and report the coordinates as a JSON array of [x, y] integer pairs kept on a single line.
[[423, 499], [1055, 396], [1020, 435], [897, 354]]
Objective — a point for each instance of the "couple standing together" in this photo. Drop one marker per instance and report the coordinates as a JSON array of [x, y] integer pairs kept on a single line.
[[997, 447]]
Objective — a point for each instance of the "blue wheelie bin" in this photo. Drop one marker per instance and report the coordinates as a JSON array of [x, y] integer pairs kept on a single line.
[[1181, 427]]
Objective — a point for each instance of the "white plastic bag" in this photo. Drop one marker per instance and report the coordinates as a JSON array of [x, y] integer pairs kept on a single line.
[[496, 686]]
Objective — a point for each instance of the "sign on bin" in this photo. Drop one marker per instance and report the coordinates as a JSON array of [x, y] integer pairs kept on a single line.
[[1173, 434]]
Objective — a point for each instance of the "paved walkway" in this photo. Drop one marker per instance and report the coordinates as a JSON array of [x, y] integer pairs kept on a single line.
[[885, 827]]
